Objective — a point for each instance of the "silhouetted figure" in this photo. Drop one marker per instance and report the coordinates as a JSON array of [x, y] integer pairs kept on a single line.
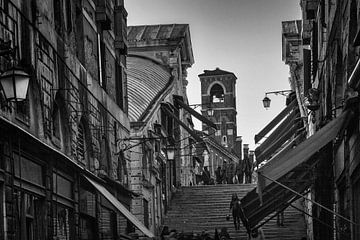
[[216, 236], [257, 234], [224, 235], [280, 219], [218, 174], [235, 208], [206, 176]]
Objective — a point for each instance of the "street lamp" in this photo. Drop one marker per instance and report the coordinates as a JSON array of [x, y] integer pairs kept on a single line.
[[170, 153], [14, 81], [266, 101]]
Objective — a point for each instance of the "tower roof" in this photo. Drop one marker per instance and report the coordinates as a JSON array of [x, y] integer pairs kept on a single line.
[[215, 72]]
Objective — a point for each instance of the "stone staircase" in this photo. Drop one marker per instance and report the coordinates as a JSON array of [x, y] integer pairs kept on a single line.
[[198, 208]]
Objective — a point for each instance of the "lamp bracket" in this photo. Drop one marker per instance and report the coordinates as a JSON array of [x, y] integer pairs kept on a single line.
[[281, 92]]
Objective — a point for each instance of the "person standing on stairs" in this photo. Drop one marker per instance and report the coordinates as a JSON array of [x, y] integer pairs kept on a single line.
[[235, 209], [257, 234], [218, 177], [206, 176]]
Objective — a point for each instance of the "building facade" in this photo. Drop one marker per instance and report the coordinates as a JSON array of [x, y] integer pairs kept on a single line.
[[322, 52], [63, 174], [332, 34], [159, 56]]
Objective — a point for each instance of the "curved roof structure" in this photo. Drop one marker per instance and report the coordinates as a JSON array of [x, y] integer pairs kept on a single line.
[[146, 81]]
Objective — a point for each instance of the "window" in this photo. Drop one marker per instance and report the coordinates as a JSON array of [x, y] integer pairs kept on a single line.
[[224, 141], [63, 222], [230, 131], [102, 64], [122, 169], [30, 216], [62, 16], [56, 121], [167, 122], [146, 160], [58, 15], [146, 213], [81, 144], [107, 227], [28, 170], [62, 186], [216, 93], [218, 133], [104, 155], [120, 84], [22, 110], [87, 208]]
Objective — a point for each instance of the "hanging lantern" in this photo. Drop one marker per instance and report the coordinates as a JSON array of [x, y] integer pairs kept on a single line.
[[266, 102], [170, 152], [15, 82]]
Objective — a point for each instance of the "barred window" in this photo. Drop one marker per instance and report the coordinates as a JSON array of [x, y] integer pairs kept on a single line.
[[81, 144]]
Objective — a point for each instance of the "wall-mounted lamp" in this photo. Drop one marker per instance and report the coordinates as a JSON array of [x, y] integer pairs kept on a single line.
[[15, 84], [170, 152], [266, 101], [14, 81]]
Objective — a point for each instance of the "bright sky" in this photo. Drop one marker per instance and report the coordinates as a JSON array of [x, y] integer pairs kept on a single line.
[[240, 36]]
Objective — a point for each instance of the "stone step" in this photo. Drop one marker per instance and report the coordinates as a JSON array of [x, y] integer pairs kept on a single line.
[[199, 208]]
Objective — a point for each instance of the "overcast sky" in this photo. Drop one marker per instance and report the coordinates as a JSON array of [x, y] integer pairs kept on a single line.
[[240, 36]]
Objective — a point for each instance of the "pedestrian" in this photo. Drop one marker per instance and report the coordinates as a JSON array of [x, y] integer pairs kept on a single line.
[[206, 176], [218, 175], [224, 235], [257, 234], [216, 236], [280, 218], [235, 209], [223, 176]]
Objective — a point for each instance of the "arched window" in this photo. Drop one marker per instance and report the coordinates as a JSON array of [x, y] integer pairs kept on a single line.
[[224, 141], [217, 93]]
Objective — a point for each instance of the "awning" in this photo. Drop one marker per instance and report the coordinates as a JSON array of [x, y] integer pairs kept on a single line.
[[277, 167], [285, 131], [191, 132], [122, 209], [194, 113], [275, 121], [291, 167]]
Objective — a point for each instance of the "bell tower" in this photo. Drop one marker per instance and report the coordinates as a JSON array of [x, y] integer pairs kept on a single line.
[[218, 99]]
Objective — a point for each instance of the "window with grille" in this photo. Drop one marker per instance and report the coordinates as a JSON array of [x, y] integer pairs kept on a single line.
[[81, 145]]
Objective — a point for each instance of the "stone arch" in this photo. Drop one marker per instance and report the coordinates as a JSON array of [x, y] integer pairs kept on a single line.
[[217, 92]]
